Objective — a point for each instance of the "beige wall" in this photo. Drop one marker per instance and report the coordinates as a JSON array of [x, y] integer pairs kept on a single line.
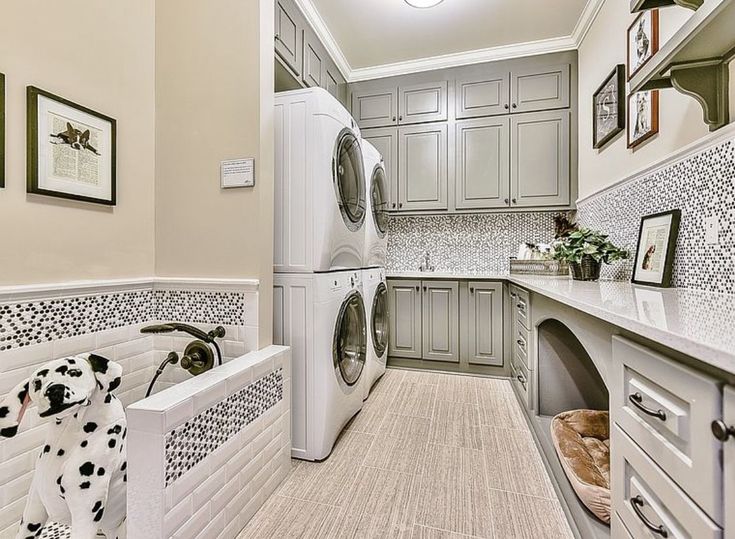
[[97, 54], [680, 116]]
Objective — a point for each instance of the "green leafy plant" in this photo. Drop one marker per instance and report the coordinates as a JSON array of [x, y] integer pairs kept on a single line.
[[586, 242]]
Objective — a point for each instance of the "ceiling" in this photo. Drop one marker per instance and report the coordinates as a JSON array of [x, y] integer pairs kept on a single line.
[[373, 35]]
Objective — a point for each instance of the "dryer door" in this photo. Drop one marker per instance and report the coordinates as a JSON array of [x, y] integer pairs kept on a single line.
[[349, 349], [349, 179], [379, 321], [379, 200]]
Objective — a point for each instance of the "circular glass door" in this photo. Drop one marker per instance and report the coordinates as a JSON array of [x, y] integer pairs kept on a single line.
[[350, 339], [379, 199], [349, 179], [380, 320]]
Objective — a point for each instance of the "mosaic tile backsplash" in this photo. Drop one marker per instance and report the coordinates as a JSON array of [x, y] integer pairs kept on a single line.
[[200, 306]]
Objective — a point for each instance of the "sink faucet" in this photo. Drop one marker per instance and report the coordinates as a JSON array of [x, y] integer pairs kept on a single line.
[[426, 264]]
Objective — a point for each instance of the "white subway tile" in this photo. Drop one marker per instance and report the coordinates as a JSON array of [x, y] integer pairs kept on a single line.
[[13, 468], [194, 526], [74, 345], [146, 420], [176, 517], [15, 489], [24, 442], [207, 396], [178, 414], [223, 496], [214, 528], [215, 482], [145, 459], [10, 514], [111, 337], [248, 512], [237, 504], [133, 347], [26, 356], [239, 460], [187, 483]]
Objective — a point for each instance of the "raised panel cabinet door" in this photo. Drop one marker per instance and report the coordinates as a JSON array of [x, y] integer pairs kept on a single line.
[[486, 95], [540, 155], [539, 89], [440, 320], [728, 462], [421, 103], [404, 304], [422, 167], [485, 323], [332, 79], [483, 163], [385, 140], [288, 35], [314, 62], [375, 108]]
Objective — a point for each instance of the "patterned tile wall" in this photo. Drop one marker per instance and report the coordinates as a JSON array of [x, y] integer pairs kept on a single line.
[[701, 186], [465, 243], [200, 306]]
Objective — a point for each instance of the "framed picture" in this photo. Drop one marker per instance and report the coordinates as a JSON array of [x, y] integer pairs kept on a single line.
[[642, 117], [608, 117], [71, 150], [654, 258], [2, 130], [642, 40]]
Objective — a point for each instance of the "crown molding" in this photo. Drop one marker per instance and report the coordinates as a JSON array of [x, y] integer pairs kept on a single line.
[[314, 18]]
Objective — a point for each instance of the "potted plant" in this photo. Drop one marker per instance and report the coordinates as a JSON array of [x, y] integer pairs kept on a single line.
[[585, 250]]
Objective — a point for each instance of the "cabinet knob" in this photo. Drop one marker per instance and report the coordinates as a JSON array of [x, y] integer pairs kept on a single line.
[[400, 118], [394, 118], [722, 431], [417, 288], [506, 106], [472, 290], [513, 200], [400, 204], [394, 204], [515, 106], [424, 289], [507, 201]]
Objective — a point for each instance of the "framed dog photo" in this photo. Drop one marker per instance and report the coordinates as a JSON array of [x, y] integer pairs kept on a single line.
[[642, 117], [654, 259], [642, 40], [608, 118], [71, 150]]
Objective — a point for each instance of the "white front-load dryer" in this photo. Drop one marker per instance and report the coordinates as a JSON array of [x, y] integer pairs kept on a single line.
[[320, 186], [376, 312], [321, 316], [376, 226]]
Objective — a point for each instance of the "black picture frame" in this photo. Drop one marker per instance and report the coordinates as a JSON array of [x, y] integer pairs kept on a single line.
[[2, 130], [668, 262], [32, 166], [618, 76]]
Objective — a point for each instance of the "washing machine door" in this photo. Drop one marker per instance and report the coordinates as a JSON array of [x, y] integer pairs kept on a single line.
[[379, 199], [349, 179], [379, 320], [350, 339]]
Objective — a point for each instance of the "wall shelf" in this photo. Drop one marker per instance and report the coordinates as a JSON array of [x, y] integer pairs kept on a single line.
[[644, 5], [694, 61]]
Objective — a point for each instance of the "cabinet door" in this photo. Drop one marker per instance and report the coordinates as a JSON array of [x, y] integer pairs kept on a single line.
[[728, 462], [314, 61], [404, 303], [540, 155], [332, 78], [441, 320], [422, 103], [485, 323], [288, 35], [539, 89], [487, 95], [385, 140], [422, 168], [375, 108], [483, 163]]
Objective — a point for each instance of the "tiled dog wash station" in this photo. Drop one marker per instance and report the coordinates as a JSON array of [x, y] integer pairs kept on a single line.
[[412, 269]]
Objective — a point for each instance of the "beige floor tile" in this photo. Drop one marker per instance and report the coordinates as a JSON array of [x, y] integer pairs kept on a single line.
[[416, 400], [423, 377], [501, 409], [497, 385], [422, 532], [524, 517], [387, 385], [369, 419], [453, 495], [456, 424], [285, 517], [458, 388], [399, 444], [513, 462]]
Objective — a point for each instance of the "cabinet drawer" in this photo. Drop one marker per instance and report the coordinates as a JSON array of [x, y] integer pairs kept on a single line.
[[617, 528], [667, 409], [521, 381], [521, 342], [520, 306], [644, 496]]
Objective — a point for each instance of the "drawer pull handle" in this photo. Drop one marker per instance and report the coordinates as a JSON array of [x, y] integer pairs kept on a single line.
[[722, 431], [522, 380], [521, 306], [637, 400], [521, 343], [637, 502]]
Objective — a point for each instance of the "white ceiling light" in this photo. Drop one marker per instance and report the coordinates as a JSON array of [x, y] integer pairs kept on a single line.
[[423, 3]]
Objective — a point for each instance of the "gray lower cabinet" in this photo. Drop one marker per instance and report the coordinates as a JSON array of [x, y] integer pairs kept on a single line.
[[440, 321], [485, 323], [375, 108], [288, 35], [385, 140], [405, 307], [487, 95], [421, 103], [540, 89], [422, 168], [728, 462], [540, 156], [482, 158]]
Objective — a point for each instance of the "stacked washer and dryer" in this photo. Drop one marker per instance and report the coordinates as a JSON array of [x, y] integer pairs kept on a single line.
[[323, 207]]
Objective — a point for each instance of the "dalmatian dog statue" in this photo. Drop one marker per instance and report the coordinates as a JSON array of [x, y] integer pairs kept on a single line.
[[80, 476]]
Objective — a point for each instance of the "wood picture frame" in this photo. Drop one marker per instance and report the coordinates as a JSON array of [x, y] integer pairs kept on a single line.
[[639, 133], [2, 130], [657, 232], [650, 22], [608, 108], [71, 150]]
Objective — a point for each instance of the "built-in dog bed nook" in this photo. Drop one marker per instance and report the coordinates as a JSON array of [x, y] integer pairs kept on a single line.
[[582, 442]]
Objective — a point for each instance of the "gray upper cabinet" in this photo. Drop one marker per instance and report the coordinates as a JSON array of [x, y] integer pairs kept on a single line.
[[404, 304], [540, 153], [485, 323], [482, 159], [288, 38], [540, 89], [314, 62], [385, 140], [487, 95], [422, 168], [421, 103], [332, 78], [375, 108], [441, 321]]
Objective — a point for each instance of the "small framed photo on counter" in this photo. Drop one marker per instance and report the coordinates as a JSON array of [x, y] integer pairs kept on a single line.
[[654, 259]]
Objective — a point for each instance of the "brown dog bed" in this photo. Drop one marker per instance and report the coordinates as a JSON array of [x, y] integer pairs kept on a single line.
[[582, 441]]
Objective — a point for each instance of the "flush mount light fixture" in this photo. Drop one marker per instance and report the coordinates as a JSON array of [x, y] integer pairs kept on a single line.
[[423, 3]]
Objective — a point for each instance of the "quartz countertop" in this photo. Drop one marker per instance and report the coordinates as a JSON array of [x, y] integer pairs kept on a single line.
[[697, 323]]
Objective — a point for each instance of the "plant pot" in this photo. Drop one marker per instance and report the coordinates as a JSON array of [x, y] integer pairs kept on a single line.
[[586, 270]]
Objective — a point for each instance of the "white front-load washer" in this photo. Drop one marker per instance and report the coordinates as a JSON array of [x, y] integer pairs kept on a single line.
[[321, 316], [376, 312], [376, 227], [320, 187]]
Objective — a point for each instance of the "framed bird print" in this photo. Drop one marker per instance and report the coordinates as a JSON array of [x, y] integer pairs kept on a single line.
[[642, 40], [608, 117], [71, 150]]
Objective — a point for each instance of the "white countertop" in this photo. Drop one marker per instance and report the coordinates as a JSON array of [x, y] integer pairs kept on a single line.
[[697, 323]]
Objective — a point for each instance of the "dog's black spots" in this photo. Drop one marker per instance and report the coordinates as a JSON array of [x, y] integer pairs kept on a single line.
[[90, 427], [58, 479], [37, 385], [23, 393], [111, 443], [33, 527], [72, 361], [62, 369], [115, 430], [84, 485], [62, 490], [87, 468], [124, 466], [58, 421], [99, 363], [114, 384], [60, 453], [75, 373], [100, 386], [84, 443], [97, 506], [125, 478], [4, 411], [46, 448], [9, 432], [125, 433], [42, 373], [101, 471], [75, 415], [108, 399], [99, 514]]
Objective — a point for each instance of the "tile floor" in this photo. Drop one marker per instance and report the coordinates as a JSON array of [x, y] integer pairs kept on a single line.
[[430, 456]]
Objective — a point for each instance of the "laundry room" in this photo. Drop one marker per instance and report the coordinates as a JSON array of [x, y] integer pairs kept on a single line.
[[333, 269]]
